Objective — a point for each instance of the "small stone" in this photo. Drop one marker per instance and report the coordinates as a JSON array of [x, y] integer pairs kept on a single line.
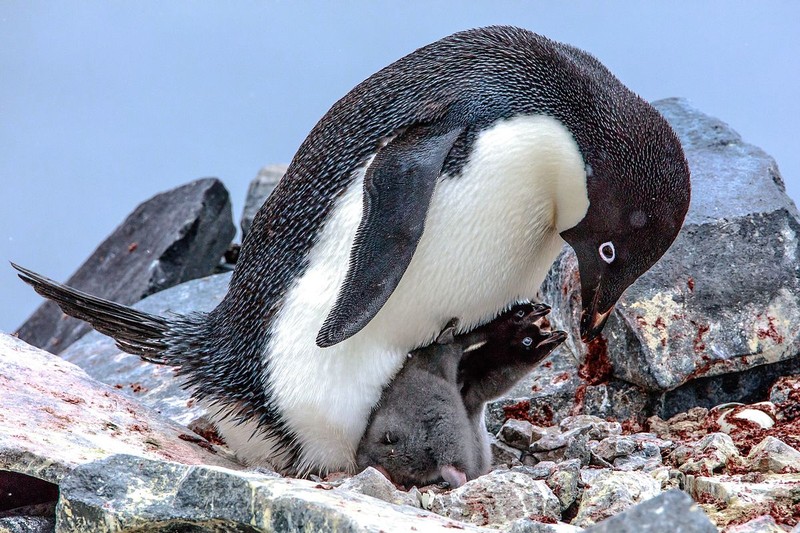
[[773, 455], [646, 457], [528, 525], [711, 454], [610, 492], [612, 447], [541, 470], [498, 498], [578, 448], [564, 482], [553, 441], [539, 432], [503, 454], [762, 524], [598, 428], [516, 433], [670, 512], [373, 483]]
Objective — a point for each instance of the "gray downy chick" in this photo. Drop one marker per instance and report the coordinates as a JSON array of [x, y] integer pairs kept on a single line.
[[428, 426]]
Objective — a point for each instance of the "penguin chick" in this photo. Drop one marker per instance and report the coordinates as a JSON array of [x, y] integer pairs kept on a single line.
[[443, 185], [428, 425]]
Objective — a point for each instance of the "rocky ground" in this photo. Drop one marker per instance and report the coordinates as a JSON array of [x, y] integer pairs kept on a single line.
[[639, 431]]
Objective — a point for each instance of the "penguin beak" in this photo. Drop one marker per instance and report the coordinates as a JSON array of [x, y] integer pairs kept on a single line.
[[597, 307], [592, 323]]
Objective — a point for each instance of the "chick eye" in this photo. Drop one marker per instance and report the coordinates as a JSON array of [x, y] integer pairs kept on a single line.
[[388, 438], [607, 252]]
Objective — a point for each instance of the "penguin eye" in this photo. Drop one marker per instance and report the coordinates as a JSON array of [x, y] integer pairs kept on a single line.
[[607, 252], [389, 438], [527, 341], [520, 314]]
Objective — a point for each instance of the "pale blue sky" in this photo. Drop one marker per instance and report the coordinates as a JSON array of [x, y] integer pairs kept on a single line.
[[104, 104]]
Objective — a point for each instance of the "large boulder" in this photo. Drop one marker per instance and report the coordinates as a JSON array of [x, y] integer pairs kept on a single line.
[[175, 236], [716, 319]]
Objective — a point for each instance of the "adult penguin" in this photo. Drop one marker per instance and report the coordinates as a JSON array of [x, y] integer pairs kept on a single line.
[[442, 186]]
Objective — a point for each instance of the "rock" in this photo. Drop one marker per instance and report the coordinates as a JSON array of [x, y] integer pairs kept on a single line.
[[705, 309], [712, 454], [669, 512], [153, 385], [516, 433], [773, 455], [497, 498], [528, 525], [258, 192], [372, 483], [541, 470], [503, 454], [27, 524], [612, 447], [597, 428], [175, 236], [125, 493], [646, 456], [53, 418], [564, 482], [610, 492], [762, 524], [738, 498]]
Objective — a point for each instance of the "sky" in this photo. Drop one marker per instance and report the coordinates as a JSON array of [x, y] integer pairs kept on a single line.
[[104, 104]]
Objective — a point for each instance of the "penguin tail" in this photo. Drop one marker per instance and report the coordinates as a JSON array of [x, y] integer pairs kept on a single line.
[[134, 331]]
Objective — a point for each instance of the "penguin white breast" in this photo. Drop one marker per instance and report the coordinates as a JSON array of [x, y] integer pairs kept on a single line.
[[490, 236]]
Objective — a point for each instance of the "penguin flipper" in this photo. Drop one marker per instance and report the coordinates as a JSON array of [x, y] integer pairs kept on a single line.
[[398, 187]]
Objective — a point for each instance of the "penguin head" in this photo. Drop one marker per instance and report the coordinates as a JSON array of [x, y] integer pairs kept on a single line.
[[637, 181]]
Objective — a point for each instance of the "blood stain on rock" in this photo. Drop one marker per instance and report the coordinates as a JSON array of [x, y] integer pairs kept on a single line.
[[770, 332], [690, 284], [596, 368], [698, 343]]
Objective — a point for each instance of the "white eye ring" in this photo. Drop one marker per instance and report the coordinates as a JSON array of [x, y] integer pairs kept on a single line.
[[607, 252]]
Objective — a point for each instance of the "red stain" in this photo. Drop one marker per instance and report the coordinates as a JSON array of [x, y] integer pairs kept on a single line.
[[564, 376], [580, 395], [596, 367], [690, 283], [698, 343], [641, 321], [660, 324], [518, 411], [770, 332], [133, 246]]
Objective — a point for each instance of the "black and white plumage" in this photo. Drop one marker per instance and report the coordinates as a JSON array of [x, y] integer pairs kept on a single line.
[[443, 185]]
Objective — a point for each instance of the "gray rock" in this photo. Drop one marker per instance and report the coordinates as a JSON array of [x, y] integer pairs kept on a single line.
[[597, 428], [705, 309], [647, 457], [711, 454], [741, 497], [516, 433], [498, 498], [53, 418], [610, 492], [124, 493], [27, 524], [612, 447], [175, 236], [773, 455], [258, 192], [153, 385], [564, 482], [503, 454], [372, 483], [762, 524], [670, 512], [528, 525], [553, 441], [541, 470]]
